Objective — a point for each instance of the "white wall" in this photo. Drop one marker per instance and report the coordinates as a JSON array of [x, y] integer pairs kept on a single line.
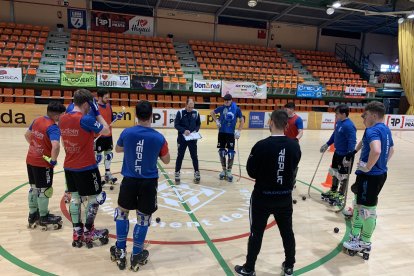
[[293, 36], [382, 49], [327, 43]]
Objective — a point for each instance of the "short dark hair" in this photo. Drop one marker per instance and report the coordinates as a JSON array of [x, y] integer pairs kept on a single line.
[[55, 108], [143, 110], [342, 108], [376, 108], [102, 92], [189, 99], [279, 118], [82, 96], [290, 105]]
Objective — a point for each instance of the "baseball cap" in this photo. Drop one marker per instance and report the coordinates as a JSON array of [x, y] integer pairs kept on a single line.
[[227, 97]]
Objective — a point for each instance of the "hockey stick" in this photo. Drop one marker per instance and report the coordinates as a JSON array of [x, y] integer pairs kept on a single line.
[[238, 156], [313, 177], [116, 119]]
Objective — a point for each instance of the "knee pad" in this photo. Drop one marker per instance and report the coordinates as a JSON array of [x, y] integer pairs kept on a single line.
[[46, 192], [333, 172], [109, 155], [342, 177], [33, 190], [231, 154], [76, 198], [368, 212], [222, 153], [143, 219], [120, 214], [98, 157]]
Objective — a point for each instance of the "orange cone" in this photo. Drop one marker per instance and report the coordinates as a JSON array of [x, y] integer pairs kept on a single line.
[[328, 181], [332, 148]]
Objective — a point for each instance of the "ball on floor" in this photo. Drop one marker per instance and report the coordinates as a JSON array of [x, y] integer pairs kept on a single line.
[[111, 188], [303, 197], [294, 201], [336, 229], [158, 220]]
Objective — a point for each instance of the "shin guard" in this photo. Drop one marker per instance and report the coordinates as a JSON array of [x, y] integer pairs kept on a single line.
[[122, 227]]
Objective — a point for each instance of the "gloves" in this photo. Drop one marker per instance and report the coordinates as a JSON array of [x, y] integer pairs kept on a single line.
[[49, 160], [237, 134], [94, 107], [348, 158], [218, 124], [362, 166], [119, 115], [324, 148]]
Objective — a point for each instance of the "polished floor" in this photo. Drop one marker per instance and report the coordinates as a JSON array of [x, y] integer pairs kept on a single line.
[[204, 227]]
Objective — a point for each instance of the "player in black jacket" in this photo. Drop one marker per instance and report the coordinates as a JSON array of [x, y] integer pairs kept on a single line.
[[272, 163]]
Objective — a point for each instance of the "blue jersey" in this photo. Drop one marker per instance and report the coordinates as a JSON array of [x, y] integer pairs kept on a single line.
[[381, 133], [228, 117], [70, 107], [142, 146], [344, 137]]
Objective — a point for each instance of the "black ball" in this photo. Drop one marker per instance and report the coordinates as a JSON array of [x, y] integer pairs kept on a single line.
[[294, 201], [336, 229], [303, 197], [111, 188], [158, 220]]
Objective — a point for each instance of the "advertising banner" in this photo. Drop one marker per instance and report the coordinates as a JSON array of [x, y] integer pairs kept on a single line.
[[11, 75], [401, 122], [85, 79], [113, 80], [309, 91], [241, 90], [122, 23], [303, 115], [207, 86], [146, 83], [76, 19], [256, 119], [163, 117], [328, 121], [209, 122], [355, 92]]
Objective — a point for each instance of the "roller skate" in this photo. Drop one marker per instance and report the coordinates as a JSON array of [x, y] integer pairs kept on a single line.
[[33, 220], [337, 199], [242, 271], [196, 177], [177, 178], [139, 260], [229, 176], [67, 197], [327, 195], [77, 236], [118, 255], [223, 175], [50, 219], [94, 234], [286, 271], [355, 245]]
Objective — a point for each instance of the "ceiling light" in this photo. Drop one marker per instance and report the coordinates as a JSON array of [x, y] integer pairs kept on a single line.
[[330, 11], [401, 20], [252, 3], [336, 4], [411, 15]]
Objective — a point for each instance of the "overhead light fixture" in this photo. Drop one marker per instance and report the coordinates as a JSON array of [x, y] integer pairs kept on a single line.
[[411, 15], [252, 3], [401, 20], [330, 11], [336, 4]]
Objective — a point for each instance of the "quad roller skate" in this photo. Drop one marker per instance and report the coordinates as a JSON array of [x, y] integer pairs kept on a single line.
[[93, 234], [355, 245], [139, 260], [229, 176], [337, 200], [327, 195], [286, 271], [177, 178], [196, 177], [50, 219], [223, 175], [33, 220], [118, 255], [77, 237]]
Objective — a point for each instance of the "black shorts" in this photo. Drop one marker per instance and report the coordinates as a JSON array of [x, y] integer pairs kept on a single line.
[[86, 183], [42, 177], [225, 140], [104, 144], [369, 187], [139, 194], [337, 163]]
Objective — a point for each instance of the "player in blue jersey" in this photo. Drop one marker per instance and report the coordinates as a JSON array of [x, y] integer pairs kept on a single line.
[[226, 123], [344, 139], [377, 149], [141, 146]]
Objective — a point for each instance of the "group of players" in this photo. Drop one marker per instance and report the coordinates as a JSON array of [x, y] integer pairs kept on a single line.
[[273, 163]]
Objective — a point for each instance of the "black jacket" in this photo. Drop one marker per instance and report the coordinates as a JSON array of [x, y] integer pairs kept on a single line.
[[187, 121]]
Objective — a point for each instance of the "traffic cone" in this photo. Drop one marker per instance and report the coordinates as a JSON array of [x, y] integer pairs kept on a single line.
[[328, 181], [332, 148]]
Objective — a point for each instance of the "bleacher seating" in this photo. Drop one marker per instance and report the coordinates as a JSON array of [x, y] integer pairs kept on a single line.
[[21, 45]]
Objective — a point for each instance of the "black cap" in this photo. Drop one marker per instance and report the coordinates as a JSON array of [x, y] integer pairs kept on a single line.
[[227, 97]]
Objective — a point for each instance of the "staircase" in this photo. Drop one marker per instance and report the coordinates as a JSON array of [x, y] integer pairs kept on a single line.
[[188, 63]]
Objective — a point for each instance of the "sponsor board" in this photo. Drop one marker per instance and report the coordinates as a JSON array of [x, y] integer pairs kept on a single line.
[[163, 117], [256, 119], [76, 19], [146, 83], [113, 80], [240, 89], [401, 122], [328, 121], [13, 75], [207, 121], [78, 79], [309, 91], [207, 86], [122, 23], [303, 115], [355, 92]]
